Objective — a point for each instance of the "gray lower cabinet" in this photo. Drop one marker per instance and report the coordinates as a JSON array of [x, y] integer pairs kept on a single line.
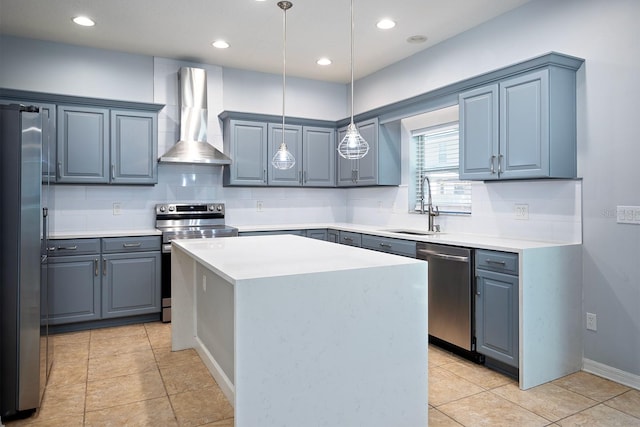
[[73, 276], [131, 276], [333, 236], [350, 238], [317, 234], [520, 127], [389, 245], [93, 279], [496, 306]]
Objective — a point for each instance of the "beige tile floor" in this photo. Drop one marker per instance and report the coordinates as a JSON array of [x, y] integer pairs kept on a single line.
[[128, 376]]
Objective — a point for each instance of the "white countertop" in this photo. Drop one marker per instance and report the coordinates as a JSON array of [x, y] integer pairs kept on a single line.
[[251, 257], [104, 233], [456, 239]]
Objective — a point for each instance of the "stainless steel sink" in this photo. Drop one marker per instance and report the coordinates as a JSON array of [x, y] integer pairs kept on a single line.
[[412, 232]]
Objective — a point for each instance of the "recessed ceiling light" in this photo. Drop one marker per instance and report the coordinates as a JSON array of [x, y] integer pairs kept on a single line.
[[385, 24], [323, 61], [84, 21], [220, 44], [417, 39]]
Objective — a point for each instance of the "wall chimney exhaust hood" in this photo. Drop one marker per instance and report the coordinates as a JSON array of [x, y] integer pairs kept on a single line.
[[193, 148]]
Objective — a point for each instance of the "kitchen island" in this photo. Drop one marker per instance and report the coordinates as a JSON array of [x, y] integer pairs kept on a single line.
[[298, 331]]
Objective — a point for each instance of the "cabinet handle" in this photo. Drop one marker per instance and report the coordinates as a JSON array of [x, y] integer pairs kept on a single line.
[[264, 175], [104, 267], [68, 248], [491, 161], [347, 239], [491, 261], [95, 266], [385, 245], [132, 245], [500, 163], [300, 177], [113, 171], [58, 169], [305, 177]]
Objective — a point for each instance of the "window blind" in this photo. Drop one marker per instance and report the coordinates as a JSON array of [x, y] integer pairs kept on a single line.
[[437, 156]]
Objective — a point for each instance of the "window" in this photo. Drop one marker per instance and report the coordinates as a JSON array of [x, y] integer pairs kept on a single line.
[[436, 154]]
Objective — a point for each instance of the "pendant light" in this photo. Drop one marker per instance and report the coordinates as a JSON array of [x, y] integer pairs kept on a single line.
[[353, 145], [283, 159]]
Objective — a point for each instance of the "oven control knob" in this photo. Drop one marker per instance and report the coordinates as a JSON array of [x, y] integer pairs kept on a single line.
[[163, 208], [172, 208], [211, 207], [219, 208]]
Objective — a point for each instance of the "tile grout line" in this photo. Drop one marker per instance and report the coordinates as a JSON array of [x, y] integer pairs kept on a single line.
[[155, 358]]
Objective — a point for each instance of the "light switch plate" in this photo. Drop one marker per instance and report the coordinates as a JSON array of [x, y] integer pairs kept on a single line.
[[628, 214]]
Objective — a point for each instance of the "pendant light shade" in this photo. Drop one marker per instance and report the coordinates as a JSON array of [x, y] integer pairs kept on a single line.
[[353, 145], [283, 159]]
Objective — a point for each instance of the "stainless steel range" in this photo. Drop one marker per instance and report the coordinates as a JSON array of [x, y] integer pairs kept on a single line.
[[186, 221]]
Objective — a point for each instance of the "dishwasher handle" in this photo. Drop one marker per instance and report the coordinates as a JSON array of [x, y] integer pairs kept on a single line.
[[434, 254]]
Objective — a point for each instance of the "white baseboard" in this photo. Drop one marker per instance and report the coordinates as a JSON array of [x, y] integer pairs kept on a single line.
[[610, 373]]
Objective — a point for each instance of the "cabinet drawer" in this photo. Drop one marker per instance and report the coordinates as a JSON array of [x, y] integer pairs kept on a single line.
[[64, 247], [351, 239], [130, 244], [389, 245], [502, 262]]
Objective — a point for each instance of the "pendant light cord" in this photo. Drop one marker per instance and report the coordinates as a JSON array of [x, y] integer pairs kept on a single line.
[[352, 25], [284, 66]]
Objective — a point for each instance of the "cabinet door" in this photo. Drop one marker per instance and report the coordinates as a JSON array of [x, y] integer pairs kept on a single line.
[[131, 284], [134, 147], [497, 316], [83, 145], [367, 167], [333, 236], [293, 138], [346, 167], [478, 111], [319, 156], [248, 149], [73, 288], [524, 126]]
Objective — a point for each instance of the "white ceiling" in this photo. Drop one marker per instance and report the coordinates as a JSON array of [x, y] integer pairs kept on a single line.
[[185, 29]]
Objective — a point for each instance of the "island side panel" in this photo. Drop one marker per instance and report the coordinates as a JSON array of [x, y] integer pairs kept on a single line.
[[342, 346], [183, 320], [550, 314], [215, 329]]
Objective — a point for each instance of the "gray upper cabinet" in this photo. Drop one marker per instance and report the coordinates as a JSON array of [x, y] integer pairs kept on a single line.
[[246, 143], [381, 165], [318, 156], [293, 138], [521, 127], [252, 143], [134, 147], [83, 145], [94, 141]]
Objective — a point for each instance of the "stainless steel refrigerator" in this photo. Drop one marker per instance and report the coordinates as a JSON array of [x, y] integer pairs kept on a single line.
[[21, 245]]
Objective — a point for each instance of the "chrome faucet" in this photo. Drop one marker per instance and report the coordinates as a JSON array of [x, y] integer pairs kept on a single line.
[[431, 211]]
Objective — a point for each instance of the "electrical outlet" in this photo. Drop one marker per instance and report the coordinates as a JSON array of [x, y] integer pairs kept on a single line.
[[521, 211], [259, 206], [592, 322], [117, 208]]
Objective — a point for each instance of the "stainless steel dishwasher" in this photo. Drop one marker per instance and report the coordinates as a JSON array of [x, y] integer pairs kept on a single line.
[[450, 283]]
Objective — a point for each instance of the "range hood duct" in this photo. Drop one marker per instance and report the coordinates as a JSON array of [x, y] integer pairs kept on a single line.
[[193, 148]]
